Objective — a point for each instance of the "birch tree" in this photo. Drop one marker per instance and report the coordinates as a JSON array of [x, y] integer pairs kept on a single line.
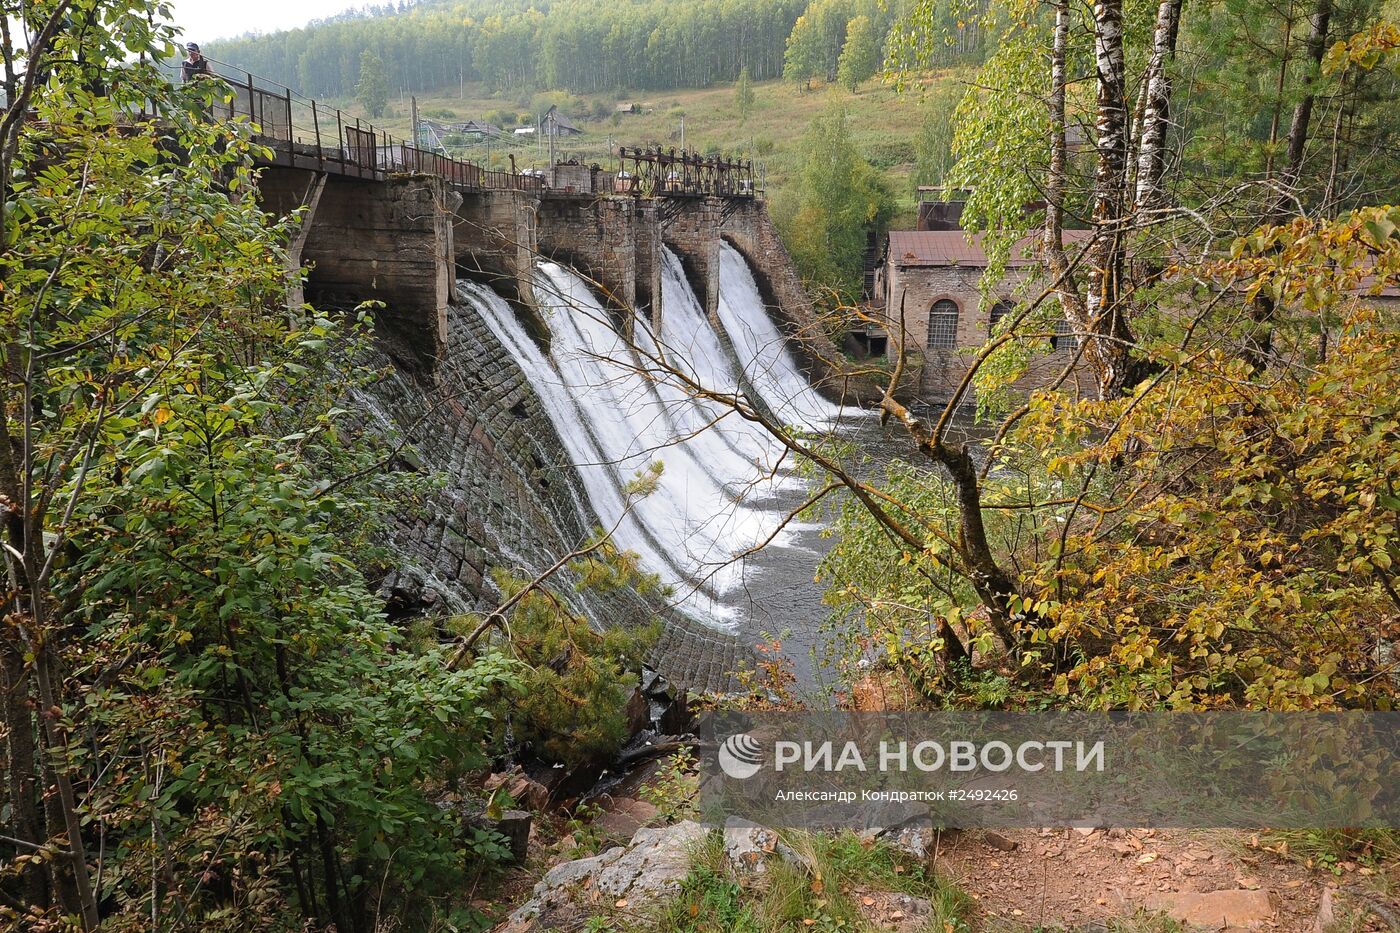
[[1156, 121]]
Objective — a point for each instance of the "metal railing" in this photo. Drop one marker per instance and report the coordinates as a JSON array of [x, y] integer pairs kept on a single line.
[[304, 134], [668, 172]]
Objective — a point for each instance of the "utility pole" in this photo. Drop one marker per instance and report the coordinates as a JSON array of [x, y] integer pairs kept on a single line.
[[414, 117], [682, 132], [552, 122]]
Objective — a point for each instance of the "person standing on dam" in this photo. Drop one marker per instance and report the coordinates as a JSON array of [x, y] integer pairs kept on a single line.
[[195, 64]]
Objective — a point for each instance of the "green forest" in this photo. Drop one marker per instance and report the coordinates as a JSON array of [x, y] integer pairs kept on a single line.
[[583, 46]]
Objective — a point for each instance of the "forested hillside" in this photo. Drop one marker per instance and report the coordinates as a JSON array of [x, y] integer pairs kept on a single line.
[[585, 46]]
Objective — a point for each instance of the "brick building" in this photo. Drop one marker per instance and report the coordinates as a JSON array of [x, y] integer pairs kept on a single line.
[[929, 280]]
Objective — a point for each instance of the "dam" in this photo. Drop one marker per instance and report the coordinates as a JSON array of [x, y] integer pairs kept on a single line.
[[520, 323]]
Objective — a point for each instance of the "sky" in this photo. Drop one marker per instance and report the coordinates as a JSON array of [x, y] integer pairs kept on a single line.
[[207, 20]]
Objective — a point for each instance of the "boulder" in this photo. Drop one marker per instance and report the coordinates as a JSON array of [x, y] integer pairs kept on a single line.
[[652, 865], [622, 818], [891, 910], [748, 845], [524, 790], [911, 838]]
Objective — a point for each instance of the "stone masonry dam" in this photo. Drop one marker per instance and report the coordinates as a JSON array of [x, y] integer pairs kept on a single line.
[[458, 269]]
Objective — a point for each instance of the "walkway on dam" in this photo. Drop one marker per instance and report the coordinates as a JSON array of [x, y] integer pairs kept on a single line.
[[303, 134]]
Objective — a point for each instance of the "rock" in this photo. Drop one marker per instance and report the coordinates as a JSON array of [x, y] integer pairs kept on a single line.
[[914, 841], [748, 845], [911, 838], [1326, 913], [653, 864], [668, 708], [1242, 909], [997, 841], [637, 712], [522, 789], [623, 817]]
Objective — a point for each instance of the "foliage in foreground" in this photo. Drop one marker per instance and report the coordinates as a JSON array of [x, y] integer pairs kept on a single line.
[[575, 682], [207, 717], [1223, 535]]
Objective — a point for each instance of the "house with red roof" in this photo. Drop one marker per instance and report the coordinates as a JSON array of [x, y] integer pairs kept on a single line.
[[928, 287]]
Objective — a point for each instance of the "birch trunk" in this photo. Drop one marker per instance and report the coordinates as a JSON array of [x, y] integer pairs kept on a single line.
[[1107, 331], [1152, 156], [1053, 240]]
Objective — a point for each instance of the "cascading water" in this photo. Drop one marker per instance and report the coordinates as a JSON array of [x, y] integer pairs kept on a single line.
[[768, 363], [612, 395]]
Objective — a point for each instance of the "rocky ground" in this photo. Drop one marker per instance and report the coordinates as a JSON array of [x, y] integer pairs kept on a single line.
[[625, 857], [1214, 880], [1047, 879]]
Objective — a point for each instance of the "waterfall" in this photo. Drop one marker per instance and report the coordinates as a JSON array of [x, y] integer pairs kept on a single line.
[[605, 493], [768, 363], [725, 485], [688, 343]]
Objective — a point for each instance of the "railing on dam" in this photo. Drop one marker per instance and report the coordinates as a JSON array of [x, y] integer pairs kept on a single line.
[[660, 172], [302, 133], [305, 134]]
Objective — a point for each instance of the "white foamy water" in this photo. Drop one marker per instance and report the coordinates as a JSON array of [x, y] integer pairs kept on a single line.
[[689, 345], [766, 360], [616, 410]]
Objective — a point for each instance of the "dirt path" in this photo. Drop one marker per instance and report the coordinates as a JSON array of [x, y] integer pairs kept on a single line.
[[1222, 880]]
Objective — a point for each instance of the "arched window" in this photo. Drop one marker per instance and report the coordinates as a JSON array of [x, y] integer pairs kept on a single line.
[[999, 310], [1063, 339], [943, 325]]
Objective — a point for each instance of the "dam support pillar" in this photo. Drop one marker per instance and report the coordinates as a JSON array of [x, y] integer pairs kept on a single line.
[[388, 241], [647, 252], [495, 237], [692, 232], [281, 192], [597, 237]]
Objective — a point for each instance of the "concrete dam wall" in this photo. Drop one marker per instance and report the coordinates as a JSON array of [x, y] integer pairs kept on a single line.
[[508, 319]]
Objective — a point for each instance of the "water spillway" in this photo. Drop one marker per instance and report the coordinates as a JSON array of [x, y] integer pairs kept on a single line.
[[624, 396], [768, 363]]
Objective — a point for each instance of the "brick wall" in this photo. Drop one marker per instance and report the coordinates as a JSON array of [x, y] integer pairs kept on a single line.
[[597, 236], [494, 238], [916, 289], [390, 241]]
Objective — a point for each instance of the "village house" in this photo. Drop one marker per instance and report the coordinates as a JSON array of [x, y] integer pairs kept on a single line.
[[554, 123]]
